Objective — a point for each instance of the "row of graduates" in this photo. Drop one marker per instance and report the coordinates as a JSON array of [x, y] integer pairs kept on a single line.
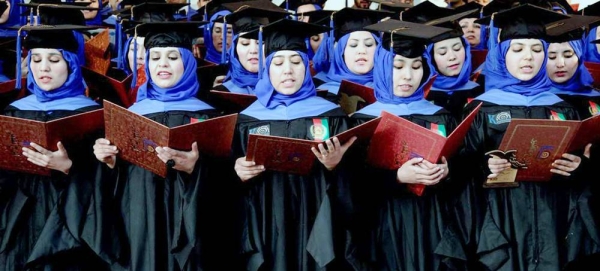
[[120, 216]]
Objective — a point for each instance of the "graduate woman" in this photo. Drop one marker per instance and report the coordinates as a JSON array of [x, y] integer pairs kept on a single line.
[[527, 226], [292, 221], [408, 232], [43, 216], [354, 49], [161, 216]]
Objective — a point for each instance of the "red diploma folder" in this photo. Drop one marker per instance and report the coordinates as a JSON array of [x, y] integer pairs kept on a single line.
[[295, 155], [398, 140], [231, 101], [354, 97], [136, 136], [18, 133], [102, 87], [478, 57]]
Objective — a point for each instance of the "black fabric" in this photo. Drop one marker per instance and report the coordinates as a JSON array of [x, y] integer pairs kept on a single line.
[[181, 222], [168, 39], [52, 40], [404, 46], [455, 102], [41, 216], [291, 220], [246, 24], [521, 28], [537, 224], [278, 40], [408, 232]]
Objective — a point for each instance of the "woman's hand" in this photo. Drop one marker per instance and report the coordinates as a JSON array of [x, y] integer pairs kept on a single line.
[[420, 171], [183, 161], [247, 170], [496, 166], [105, 152], [58, 160], [218, 80], [569, 163], [332, 156]]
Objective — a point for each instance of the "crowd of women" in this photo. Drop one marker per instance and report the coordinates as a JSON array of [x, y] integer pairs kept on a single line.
[[98, 211]]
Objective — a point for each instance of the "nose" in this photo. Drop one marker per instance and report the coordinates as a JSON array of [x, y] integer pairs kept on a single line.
[[406, 74], [162, 61], [361, 48], [253, 48], [44, 65], [287, 67], [451, 55], [560, 62], [528, 54]]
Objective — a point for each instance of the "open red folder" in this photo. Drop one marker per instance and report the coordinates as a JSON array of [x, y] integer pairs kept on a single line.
[[18, 133], [136, 136], [398, 140], [295, 155]]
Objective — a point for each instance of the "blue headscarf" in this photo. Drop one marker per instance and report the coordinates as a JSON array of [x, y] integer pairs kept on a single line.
[[383, 74], [454, 83], [498, 77], [80, 47], [124, 56], [238, 75], [339, 71], [591, 52], [13, 20], [483, 37], [69, 96], [98, 19], [272, 105], [309, 51], [581, 82], [212, 54], [270, 98], [182, 96], [321, 62]]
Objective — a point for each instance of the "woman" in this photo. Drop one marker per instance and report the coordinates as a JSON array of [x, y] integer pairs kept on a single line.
[[410, 232], [592, 51], [474, 33], [217, 43], [162, 215], [92, 17], [451, 55], [354, 50], [289, 218], [45, 215], [528, 226]]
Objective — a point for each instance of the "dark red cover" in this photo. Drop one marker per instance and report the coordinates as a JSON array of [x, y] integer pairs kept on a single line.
[[588, 132], [18, 133], [295, 155], [354, 97], [594, 69], [103, 87], [136, 136], [398, 140], [538, 143], [234, 101], [478, 57]]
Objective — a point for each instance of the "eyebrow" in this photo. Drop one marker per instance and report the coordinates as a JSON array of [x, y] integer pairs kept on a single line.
[[51, 54]]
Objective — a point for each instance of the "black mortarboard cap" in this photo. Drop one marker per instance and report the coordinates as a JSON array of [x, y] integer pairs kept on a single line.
[[286, 34], [451, 22], [348, 20], [522, 22], [470, 6], [249, 15], [388, 5], [424, 12], [58, 14], [294, 4], [318, 16], [406, 38], [569, 29], [148, 12], [168, 34], [596, 41], [3, 6], [591, 10]]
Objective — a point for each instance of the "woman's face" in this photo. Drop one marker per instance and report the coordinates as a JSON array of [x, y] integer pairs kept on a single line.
[[287, 71], [304, 8], [247, 51], [50, 70], [90, 14], [217, 36], [315, 41], [562, 62], [471, 30], [359, 52], [407, 75], [449, 56], [524, 58], [140, 54], [598, 35], [165, 66]]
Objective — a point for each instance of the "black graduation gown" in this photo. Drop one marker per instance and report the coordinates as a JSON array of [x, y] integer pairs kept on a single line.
[[167, 220], [588, 202], [535, 225], [456, 102], [408, 232], [294, 222], [41, 216]]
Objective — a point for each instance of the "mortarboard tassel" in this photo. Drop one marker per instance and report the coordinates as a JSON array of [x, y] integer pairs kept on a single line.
[[260, 51], [135, 70], [224, 43], [19, 72]]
